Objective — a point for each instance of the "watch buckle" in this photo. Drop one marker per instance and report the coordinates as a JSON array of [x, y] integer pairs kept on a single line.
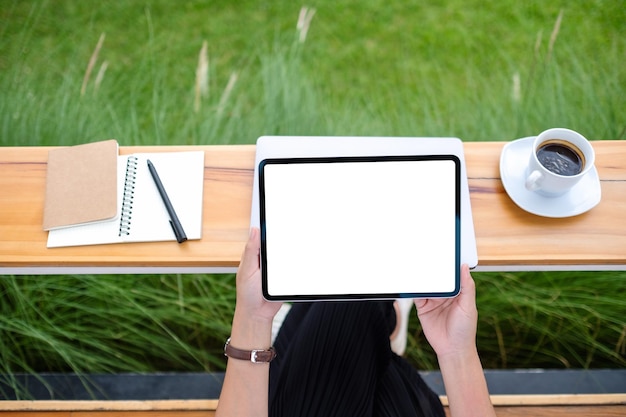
[[253, 355]]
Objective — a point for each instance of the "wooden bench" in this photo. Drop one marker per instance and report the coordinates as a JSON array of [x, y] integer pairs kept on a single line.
[[506, 406], [508, 238]]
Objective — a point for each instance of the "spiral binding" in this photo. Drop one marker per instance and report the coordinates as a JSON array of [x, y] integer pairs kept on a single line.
[[128, 196]]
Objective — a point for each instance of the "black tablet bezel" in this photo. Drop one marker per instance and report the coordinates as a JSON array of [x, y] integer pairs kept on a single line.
[[356, 296]]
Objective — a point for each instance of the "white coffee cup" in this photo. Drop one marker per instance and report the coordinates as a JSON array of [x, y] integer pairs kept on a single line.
[[566, 157]]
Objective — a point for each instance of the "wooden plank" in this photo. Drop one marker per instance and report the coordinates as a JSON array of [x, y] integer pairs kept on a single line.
[[547, 411], [211, 405], [36, 414], [552, 411], [503, 411], [507, 236], [98, 413], [144, 413], [552, 399], [557, 399], [101, 405], [565, 411], [505, 405]]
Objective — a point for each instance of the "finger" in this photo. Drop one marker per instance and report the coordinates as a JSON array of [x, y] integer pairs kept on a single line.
[[468, 288], [467, 282], [250, 258]]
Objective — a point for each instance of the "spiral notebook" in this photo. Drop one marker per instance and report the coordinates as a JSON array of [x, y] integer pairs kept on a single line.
[[142, 216]]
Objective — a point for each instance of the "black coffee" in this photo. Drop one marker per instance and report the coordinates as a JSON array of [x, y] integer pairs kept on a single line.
[[560, 158]]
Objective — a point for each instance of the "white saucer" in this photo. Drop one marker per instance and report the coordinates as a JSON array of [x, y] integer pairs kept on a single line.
[[513, 162]]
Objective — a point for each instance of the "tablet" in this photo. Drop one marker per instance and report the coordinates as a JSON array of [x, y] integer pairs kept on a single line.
[[360, 227]]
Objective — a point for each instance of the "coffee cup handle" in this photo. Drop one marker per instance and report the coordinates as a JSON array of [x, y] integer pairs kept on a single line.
[[533, 181]]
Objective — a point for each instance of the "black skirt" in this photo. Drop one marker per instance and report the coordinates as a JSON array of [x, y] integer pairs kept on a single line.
[[335, 359]]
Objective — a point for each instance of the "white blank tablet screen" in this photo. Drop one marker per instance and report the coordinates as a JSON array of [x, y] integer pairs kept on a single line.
[[360, 227]]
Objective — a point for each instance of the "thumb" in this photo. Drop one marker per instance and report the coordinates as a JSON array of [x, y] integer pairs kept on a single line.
[[250, 258], [467, 296]]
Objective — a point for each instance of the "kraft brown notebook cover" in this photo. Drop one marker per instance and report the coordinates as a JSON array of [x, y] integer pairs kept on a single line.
[[81, 185]]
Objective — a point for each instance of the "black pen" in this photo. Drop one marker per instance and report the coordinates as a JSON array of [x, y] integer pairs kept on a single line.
[[178, 228]]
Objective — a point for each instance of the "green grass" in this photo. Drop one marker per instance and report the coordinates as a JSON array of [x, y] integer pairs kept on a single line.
[[114, 323], [367, 67], [545, 320]]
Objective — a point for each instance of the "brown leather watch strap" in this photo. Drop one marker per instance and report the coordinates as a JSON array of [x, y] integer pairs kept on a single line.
[[254, 356]]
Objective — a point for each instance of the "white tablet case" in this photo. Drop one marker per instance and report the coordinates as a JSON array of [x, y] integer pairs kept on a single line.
[[337, 146]]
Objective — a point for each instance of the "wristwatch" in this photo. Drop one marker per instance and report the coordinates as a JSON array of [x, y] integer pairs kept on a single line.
[[254, 356]]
